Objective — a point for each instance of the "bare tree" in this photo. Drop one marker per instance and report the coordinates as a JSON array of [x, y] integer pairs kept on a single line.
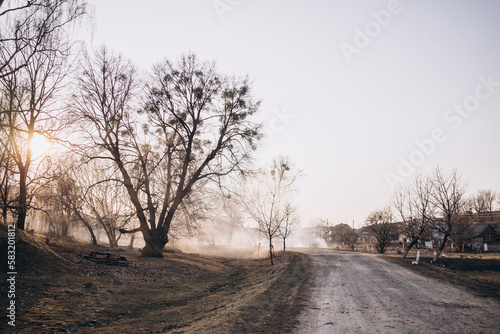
[[100, 199], [28, 28], [226, 214], [69, 195], [194, 129], [27, 112], [448, 195], [415, 210], [290, 222], [266, 200], [483, 201], [7, 180], [346, 235], [34, 50], [380, 225], [57, 200], [464, 232], [55, 212]]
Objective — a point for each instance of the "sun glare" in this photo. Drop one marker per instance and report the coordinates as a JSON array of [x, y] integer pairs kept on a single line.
[[40, 146]]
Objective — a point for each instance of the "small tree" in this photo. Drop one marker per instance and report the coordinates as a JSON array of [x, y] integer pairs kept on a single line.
[[266, 200], [101, 199], [226, 214], [380, 225], [290, 221], [415, 209], [345, 234], [463, 224], [61, 200]]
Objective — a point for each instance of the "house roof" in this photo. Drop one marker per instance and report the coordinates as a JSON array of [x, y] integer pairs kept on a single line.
[[478, 229]]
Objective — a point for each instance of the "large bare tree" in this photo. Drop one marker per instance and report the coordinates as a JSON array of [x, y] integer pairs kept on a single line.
[[194, 128], [448, 196]]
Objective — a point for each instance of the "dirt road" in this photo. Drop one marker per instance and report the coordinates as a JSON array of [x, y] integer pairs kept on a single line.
[[362, 293]]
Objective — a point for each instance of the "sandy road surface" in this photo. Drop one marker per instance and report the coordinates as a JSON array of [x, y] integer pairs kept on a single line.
[[362, 293]]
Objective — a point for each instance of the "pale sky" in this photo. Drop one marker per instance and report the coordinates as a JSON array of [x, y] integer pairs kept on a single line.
[[349, 88]]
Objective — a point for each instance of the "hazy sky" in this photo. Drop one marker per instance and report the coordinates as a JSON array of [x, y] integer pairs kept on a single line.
[[359, 94]]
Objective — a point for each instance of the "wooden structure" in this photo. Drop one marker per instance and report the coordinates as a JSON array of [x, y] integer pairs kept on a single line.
[[479, 234], [107, 258]]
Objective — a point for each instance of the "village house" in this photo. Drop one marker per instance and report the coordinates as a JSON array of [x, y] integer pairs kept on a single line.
[[477, 235]]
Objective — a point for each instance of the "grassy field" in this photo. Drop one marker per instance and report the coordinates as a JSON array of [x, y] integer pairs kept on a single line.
[[59, 291], [479, 273]]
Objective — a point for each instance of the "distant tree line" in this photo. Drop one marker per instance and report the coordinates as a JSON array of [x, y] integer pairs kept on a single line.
[[430, 207]]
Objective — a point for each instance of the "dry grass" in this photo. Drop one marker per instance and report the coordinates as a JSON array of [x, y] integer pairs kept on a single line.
[[59, 291], [478, 272]]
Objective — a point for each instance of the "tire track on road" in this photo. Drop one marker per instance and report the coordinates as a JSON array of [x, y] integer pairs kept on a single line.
[[363, 293]]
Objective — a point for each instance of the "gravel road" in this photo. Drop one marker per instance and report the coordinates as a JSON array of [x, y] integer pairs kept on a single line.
[[363, 293]]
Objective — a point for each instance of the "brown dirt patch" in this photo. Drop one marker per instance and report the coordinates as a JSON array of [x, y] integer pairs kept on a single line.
[[59, 291]]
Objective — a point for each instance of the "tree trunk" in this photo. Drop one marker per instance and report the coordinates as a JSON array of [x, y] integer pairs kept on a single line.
[[93, 239], [440, 250], [5, 198], [284, 247], [4, 214], [412, 243], [155, 242], [113, 243], [88, 226], [131, 244], [64, 227], [271, 254], [92, 236], [23, 197]]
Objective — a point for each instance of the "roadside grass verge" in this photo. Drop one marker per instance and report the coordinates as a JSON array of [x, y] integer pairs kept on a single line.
[[275, 306], [59, 291], [478, 273]]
